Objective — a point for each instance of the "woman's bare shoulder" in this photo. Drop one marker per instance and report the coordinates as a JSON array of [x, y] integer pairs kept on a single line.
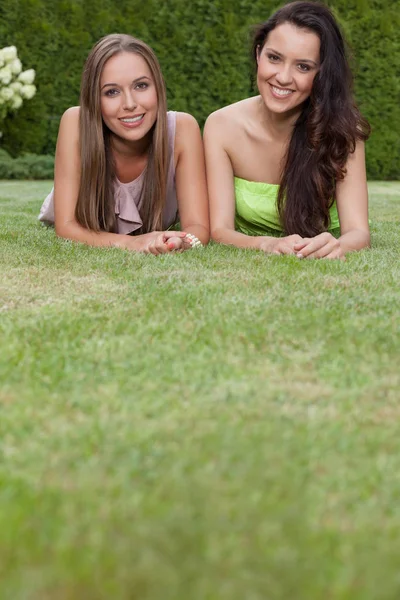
[[187, 132], [233, 113], [70, 118], [69, 126], [186, 122]]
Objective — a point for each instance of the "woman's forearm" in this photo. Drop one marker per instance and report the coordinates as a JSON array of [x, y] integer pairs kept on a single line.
[[353, 240], [75, 232], [200, 231], [241, 240]]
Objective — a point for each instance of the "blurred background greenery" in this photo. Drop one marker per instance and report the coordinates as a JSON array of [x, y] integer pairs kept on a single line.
[[203, 47]]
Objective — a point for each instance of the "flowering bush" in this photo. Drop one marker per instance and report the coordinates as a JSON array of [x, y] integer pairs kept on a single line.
[[16, 85]]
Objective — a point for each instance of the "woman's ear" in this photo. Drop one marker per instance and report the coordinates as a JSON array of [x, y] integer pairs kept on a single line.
[[258, 52]]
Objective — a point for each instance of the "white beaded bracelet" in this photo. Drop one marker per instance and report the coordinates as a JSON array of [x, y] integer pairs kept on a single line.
[[193, 241]]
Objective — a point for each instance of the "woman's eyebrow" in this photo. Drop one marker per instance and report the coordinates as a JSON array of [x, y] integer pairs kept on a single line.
[[275, 51], [134, 81], [304, 60]]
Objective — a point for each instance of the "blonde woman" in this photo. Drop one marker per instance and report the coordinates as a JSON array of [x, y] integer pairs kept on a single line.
[[126, 169]]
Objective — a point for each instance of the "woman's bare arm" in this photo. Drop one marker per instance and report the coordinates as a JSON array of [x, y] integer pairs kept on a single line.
[[352, 205], [190, 177]]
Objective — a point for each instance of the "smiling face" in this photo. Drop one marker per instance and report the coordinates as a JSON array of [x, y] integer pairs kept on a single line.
[[128, 96], [287, 64]]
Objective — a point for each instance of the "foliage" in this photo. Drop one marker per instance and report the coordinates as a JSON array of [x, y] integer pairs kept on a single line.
[[27, 166], [203, 47]]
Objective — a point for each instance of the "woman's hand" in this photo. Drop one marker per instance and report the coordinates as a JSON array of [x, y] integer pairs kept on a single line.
[[284, 245], [324, 245], [160, 242]]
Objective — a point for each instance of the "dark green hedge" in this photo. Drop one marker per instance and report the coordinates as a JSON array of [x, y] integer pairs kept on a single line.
[[203, 49]]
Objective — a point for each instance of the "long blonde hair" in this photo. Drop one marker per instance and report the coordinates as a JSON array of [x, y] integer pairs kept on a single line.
[[95, 208]]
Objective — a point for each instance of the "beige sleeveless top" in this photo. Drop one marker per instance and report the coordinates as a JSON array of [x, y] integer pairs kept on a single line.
[[128, 195]]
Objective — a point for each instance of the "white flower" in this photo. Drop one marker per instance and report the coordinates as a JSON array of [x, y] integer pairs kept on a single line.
[[27, 76], [16, 86], [6, 94], [16, 102], [5, 75], [28, 91], [9, 53], [15, 66]]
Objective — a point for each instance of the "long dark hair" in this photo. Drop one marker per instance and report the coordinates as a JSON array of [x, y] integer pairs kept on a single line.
[[327, 129], [95, 207]]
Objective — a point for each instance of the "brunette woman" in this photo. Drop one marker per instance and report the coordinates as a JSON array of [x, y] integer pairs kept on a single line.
[[286, 169], [126, 169]]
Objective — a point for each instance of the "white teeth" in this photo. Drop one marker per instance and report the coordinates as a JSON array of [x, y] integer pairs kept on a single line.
[[133, 120], [280, 92]]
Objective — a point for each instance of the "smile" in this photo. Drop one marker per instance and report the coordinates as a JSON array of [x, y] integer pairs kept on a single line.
[[132, 119], [281, 93]]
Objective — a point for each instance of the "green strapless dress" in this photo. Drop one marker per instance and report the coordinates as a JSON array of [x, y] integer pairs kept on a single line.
[[256, 212]]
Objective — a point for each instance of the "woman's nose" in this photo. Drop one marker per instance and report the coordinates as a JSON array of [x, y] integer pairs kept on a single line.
[[129, 101], [284, 75]]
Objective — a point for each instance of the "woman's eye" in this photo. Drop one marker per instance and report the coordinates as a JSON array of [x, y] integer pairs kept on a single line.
[[303, 67], [273, 57], [142, 86], [111, 92]]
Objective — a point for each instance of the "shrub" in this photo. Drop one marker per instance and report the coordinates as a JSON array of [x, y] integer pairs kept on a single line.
[[38, 166], [27, 166], [4, 155]]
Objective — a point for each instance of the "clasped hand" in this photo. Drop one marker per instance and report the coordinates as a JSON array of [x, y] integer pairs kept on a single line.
[[163, 242], [324, 245]]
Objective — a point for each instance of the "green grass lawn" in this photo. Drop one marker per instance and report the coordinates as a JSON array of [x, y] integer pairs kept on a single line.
[[213, 425]]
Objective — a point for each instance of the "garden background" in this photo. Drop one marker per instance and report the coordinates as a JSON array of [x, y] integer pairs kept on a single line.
[[203, 47]]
